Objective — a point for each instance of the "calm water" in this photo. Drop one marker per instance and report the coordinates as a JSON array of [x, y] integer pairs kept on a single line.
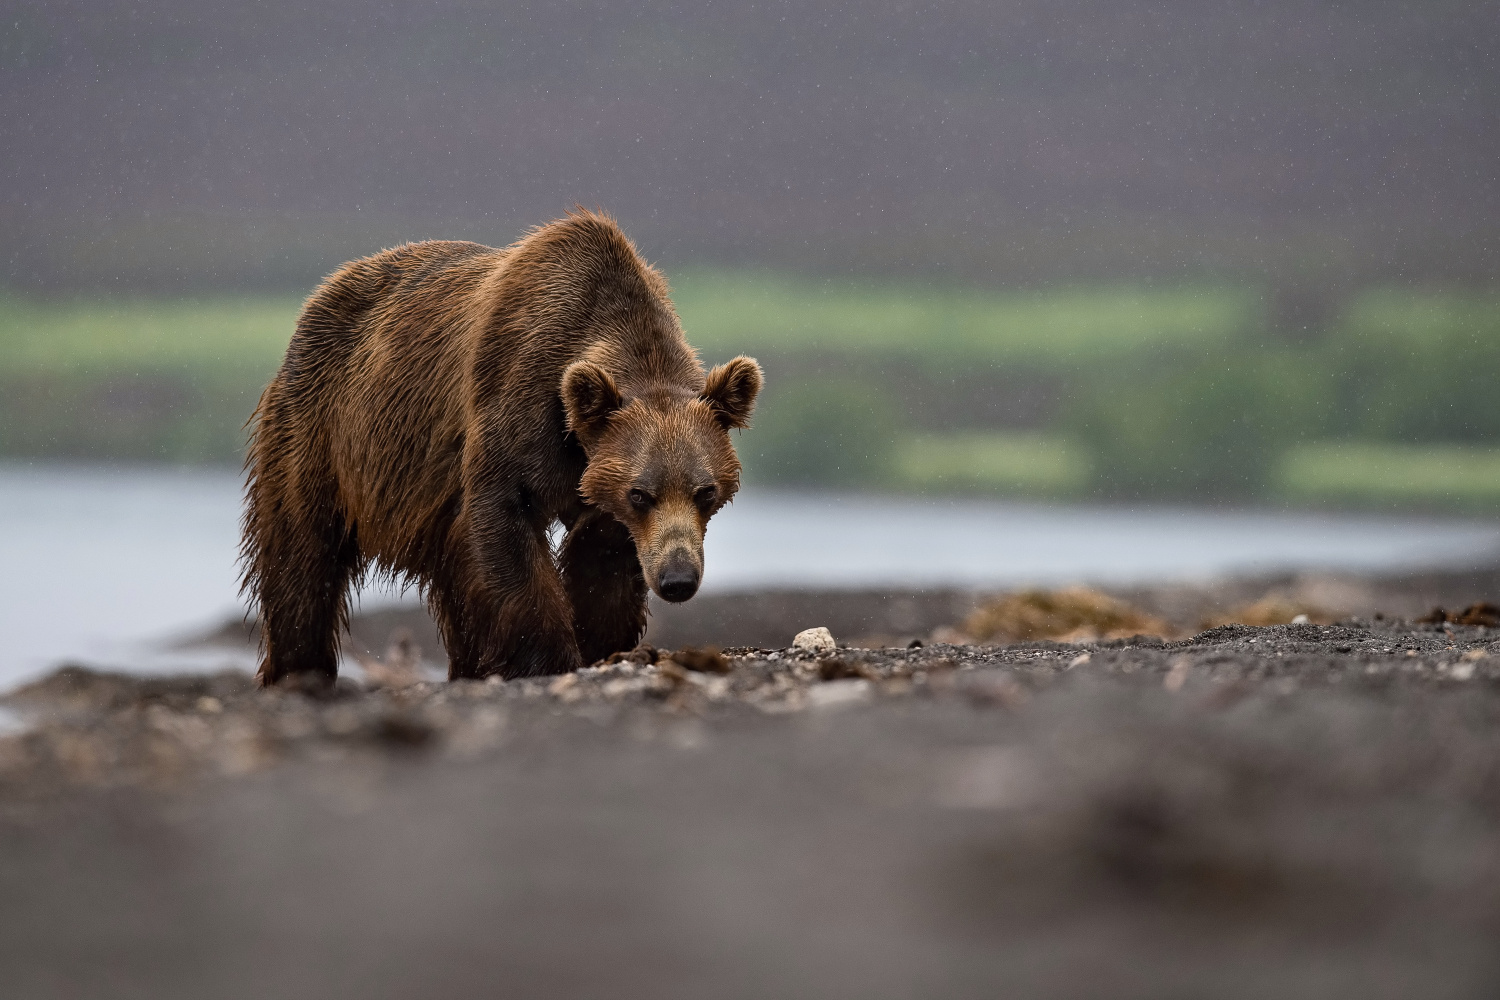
[[105, 565]]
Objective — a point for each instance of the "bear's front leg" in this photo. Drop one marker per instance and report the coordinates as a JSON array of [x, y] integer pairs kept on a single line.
[[602, 576], [526, 628]]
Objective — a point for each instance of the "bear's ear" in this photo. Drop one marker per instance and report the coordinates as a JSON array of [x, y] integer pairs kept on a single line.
[[589, 395], [731, 391]]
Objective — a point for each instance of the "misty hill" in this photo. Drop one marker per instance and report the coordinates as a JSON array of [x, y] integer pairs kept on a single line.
[[207, 143]]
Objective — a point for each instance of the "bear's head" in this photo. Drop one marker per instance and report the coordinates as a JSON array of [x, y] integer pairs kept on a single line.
[[661, 462]]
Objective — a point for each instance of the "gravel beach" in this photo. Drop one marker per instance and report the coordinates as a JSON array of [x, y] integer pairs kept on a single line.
[[1287, 810]]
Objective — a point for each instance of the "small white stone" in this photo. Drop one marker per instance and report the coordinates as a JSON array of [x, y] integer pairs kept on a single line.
[[816, 640], [1302, 620]]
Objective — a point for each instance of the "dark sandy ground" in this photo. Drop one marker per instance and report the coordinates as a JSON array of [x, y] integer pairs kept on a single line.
[[1289, 811], [769, 618]]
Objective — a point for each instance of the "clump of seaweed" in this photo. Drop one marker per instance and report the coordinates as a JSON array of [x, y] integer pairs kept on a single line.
[[1072, 614]]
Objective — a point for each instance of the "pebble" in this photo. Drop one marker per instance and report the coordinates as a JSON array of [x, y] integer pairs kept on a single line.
[[816, 640], [565, 688]]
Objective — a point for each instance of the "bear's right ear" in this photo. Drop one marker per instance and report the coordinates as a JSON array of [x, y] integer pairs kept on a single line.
[[731, 389], [590, 396]]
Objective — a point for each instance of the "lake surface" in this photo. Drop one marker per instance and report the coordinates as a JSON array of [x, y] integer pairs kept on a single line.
[[107, 565]]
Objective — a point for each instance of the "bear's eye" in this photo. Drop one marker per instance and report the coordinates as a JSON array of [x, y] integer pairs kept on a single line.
[[706, 496], [639, 499]]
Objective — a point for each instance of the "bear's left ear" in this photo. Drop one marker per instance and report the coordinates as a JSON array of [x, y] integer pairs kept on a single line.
[[731, 390], [589, 396]]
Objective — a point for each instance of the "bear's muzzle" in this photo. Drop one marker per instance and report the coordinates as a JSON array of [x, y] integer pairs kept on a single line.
[[679, 577]]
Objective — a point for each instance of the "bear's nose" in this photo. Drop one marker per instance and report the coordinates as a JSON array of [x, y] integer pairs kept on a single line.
[[678, 580]]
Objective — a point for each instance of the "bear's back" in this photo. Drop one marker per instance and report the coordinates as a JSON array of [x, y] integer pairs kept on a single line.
[[413, 286]]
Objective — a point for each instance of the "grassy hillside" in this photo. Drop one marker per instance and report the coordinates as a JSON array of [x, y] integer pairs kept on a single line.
[[749, 312], [1131, 393], [161, 380], [117, 335], [722, 312]]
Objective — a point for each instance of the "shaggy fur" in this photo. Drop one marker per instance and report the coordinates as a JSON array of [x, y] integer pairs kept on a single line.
[[442, 404]]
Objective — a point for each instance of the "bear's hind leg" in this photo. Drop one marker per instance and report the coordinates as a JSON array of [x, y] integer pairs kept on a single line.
[[302, 574], [602, 575]]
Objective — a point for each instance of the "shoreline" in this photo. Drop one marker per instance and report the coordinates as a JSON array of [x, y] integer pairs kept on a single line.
[[873, 616]]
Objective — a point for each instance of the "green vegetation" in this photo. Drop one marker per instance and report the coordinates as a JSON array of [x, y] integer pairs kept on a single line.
[[196, 336], [136, 379], [820, 432], [1438, 476], [1014, 464], [1415, 367], [1110, 392], [1200, 429], [730, 312]]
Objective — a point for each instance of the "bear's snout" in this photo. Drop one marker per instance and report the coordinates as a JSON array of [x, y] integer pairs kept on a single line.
[[678, 579]]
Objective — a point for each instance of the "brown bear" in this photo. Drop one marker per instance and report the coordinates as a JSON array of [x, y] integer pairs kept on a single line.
[[443, 404]]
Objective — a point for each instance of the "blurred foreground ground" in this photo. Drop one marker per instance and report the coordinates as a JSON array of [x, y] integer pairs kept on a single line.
[[1293, 810]]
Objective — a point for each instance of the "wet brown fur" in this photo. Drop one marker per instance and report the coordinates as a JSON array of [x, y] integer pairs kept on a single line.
[[441, 405]]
